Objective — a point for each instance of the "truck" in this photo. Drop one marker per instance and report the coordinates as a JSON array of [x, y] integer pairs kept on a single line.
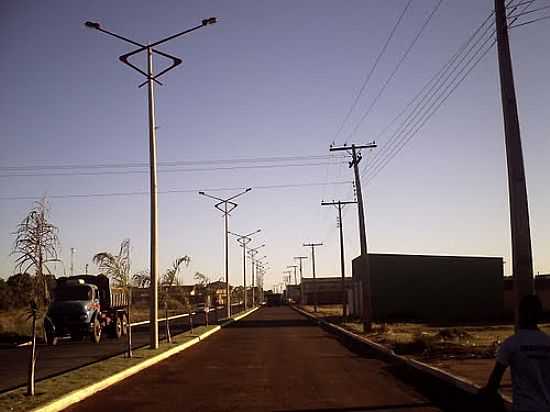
[[86, 306]]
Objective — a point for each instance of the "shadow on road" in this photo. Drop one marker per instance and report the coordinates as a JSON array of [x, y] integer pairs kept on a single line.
[[272, 323], [408, 406]]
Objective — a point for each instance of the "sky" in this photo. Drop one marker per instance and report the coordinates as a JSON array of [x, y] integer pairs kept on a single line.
[[270, 79]]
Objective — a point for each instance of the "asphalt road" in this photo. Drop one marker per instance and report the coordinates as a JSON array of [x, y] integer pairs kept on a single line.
[[273, 360], [68, 355]]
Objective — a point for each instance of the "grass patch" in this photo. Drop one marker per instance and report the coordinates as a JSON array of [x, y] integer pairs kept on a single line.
[[53, 388]]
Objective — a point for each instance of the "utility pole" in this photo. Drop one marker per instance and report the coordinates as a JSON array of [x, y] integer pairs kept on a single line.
[[295, 267], [243, 241], [228, 207], [522, 260], [355, 152], [315, 297], [300, 259], [73, 250], [151, 79], [339, 205]]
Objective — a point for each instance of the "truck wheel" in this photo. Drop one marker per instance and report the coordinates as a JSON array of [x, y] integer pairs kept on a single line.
[[124, 324], [49, 333], [117, 328], [95, 334]]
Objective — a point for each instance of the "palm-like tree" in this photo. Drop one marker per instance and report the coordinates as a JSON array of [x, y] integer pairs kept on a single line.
[[35, 246], [168, 279], [117, 267]]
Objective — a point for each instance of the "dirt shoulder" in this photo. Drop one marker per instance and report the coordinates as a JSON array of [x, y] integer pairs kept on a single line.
[[466, 351]]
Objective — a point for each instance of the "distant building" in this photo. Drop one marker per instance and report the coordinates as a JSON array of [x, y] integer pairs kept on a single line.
[[433, 288], [329, 290]]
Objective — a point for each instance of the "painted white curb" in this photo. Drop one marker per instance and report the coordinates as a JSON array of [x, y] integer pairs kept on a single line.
[[83, 393]]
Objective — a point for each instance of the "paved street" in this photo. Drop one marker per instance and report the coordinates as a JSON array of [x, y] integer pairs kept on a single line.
[[68, 355], [273, 360]]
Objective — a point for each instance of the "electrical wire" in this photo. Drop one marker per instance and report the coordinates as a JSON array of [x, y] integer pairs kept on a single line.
[[166, 163], [423, 110], [174, 191], [396, 68], [129, 172], [371, 72]]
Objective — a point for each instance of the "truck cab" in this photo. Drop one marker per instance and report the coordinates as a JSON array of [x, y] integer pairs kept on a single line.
[[82, 307]]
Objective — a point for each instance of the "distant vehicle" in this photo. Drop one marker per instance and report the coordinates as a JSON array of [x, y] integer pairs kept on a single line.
[[86, 305], [274, 299]]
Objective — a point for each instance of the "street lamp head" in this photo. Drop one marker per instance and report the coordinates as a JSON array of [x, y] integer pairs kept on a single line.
[[248, 190], [201, 193], [92, 25], [210, 20]]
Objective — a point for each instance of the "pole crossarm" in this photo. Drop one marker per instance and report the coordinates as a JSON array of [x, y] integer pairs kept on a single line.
[[339, 202], [176, 61]]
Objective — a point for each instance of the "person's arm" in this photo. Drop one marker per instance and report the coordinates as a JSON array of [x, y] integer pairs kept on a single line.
[[495, 378]]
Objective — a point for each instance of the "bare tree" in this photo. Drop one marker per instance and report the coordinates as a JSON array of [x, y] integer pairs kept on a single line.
[[36, 244]]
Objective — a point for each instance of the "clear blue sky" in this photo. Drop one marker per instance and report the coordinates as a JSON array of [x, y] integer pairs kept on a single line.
[[270, 79]]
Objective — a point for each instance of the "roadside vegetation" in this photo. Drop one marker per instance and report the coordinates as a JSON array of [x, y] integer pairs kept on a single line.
[[428, 342]]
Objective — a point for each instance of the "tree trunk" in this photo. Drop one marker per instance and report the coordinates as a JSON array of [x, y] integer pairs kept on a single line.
[[129, 325], [32, 360]]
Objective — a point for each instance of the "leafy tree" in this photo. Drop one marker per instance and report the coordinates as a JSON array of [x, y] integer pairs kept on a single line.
[[36, 244]]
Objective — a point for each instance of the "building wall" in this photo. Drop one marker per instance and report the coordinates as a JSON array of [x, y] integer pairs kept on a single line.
[[542, 289], [434, 288]]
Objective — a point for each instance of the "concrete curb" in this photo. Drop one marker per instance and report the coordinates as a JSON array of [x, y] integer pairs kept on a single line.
[[457, 382], [83, 393]]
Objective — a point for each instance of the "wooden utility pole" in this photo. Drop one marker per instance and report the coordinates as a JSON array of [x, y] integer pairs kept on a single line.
[[300, 258], [315, 291], [355, 152], [522, 261], [339, 205]]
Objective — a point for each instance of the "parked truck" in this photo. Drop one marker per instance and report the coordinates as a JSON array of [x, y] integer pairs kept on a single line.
[[86, 305]]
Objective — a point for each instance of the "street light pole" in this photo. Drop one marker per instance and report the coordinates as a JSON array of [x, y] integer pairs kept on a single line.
[[151, 78], [226, 210], [251, 254], [244, 240]]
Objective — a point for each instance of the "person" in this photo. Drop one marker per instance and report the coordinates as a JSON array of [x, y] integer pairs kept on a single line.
[[527, 353]]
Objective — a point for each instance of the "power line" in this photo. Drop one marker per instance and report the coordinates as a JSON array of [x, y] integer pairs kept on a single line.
[[129, 172], [397, 66], [373, 68], [424, 109], [165, 163], [136, 193]]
